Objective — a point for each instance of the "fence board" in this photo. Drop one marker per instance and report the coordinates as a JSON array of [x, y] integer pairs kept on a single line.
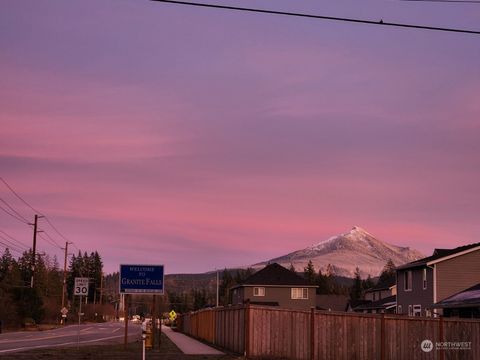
[[285, 334]]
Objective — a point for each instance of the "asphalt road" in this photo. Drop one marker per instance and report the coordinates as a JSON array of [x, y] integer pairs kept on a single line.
[[90, 334]]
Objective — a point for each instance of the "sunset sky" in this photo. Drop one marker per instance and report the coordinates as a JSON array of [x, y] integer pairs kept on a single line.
[[202, 138]]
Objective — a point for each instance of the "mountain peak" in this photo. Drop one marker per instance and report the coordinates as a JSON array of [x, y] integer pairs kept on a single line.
[[346, 251]]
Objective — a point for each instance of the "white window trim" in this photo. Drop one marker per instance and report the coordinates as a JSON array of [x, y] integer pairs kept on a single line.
[[405, 280], [424, 279], [410, 310], [417, 309], [399, 309], [295, 291], [260, 292]]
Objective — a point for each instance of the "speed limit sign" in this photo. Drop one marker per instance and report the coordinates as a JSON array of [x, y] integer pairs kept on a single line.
[[81, 286]]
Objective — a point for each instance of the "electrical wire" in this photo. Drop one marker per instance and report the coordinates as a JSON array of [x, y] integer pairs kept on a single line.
[[12, 209], [35, 210], [50, 239], [18, 196], [322, 17], [12, 238], [14, 216], [447, 1], [13, 248]]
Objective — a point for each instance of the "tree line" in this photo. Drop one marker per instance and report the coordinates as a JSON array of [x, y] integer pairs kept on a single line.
[[39, 301]]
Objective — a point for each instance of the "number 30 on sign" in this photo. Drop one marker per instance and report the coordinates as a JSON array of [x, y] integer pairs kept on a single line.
[[81, 286]]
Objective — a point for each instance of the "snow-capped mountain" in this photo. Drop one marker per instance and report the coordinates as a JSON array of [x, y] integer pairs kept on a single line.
[[347, 251]]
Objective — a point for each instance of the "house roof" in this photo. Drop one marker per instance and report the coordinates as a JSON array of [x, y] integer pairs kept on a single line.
[[438, 254], [384, 303], [383, 285], [331, 302], [275, 274], [466, 298]]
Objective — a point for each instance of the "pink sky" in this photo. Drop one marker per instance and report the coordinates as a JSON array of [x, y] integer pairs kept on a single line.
[[205, 139]]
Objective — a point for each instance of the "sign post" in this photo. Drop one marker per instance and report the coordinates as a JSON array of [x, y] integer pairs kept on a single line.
[[140, 279], [80, 289]]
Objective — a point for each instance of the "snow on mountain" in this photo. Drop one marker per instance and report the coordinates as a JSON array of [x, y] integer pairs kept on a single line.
[[347, 251]]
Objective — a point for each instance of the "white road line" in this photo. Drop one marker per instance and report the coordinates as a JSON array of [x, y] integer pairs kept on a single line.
[[61, 344], [115, 330]]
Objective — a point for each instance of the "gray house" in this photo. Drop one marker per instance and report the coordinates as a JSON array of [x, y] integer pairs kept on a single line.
[[424, 282], [275, 285], [464, 304]]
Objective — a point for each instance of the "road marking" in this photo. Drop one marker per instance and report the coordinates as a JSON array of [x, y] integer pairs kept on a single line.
[[61, 344], [117, 329], [86, 329]]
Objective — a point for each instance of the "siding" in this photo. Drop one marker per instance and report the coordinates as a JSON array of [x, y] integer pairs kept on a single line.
[[418, 295], [457, 274], [282, 295]]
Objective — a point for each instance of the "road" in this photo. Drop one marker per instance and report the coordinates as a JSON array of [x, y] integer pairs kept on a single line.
[[90, 334]]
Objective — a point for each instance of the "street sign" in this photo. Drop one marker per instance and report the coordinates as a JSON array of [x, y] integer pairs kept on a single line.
[[64, 311], [141, 279], [81, 286], [172, 315]]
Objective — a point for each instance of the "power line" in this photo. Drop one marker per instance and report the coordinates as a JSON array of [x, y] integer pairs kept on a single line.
[[13, 215], [447, 1], [10, 243], [35, 210], [11, 248], [12, 238], [12, 209], [323, 17], [19, 197], [50, 240]]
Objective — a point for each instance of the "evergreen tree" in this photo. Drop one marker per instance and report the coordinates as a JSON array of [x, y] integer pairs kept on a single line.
[[356, 289], [309, 273], [388, 273], [224, 289], [322, 283]]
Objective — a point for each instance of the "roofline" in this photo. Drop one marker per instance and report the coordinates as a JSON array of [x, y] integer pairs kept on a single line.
[[263, 285], [448, 257], [457, 305]]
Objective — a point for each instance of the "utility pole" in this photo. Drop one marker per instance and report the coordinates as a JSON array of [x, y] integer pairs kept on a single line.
[[34, 248], [101, 288], [217, 287], [65, 274]]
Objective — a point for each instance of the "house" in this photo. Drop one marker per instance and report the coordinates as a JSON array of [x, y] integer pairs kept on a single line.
[[275, 285], [381, 290], [464, 304], [379, 299], [385, 305], [331, 302], [424, 282]]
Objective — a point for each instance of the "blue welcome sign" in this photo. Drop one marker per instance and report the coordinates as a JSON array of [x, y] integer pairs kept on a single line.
[[141, 279]]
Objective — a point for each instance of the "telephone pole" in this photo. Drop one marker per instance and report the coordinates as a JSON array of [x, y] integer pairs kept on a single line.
[[65, 274], [34, 248]]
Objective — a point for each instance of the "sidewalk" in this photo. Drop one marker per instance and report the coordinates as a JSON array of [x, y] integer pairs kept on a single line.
[[188, 345]]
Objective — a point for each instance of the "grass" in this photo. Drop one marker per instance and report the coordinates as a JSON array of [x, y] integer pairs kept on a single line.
[[168, 351]]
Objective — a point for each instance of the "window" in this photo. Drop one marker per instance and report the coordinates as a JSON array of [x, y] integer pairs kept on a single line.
[[407, 280], [410, 310], [258, 291], [399, 309], [428, 313], [299, 293], [417, 310], [424, 278]]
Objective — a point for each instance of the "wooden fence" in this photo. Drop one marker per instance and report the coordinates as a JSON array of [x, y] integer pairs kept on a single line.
[[272, 333]]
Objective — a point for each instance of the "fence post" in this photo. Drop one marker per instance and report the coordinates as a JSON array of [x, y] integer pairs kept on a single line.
[[382, 337], [312, 333], [247, 329], [440, 325]]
